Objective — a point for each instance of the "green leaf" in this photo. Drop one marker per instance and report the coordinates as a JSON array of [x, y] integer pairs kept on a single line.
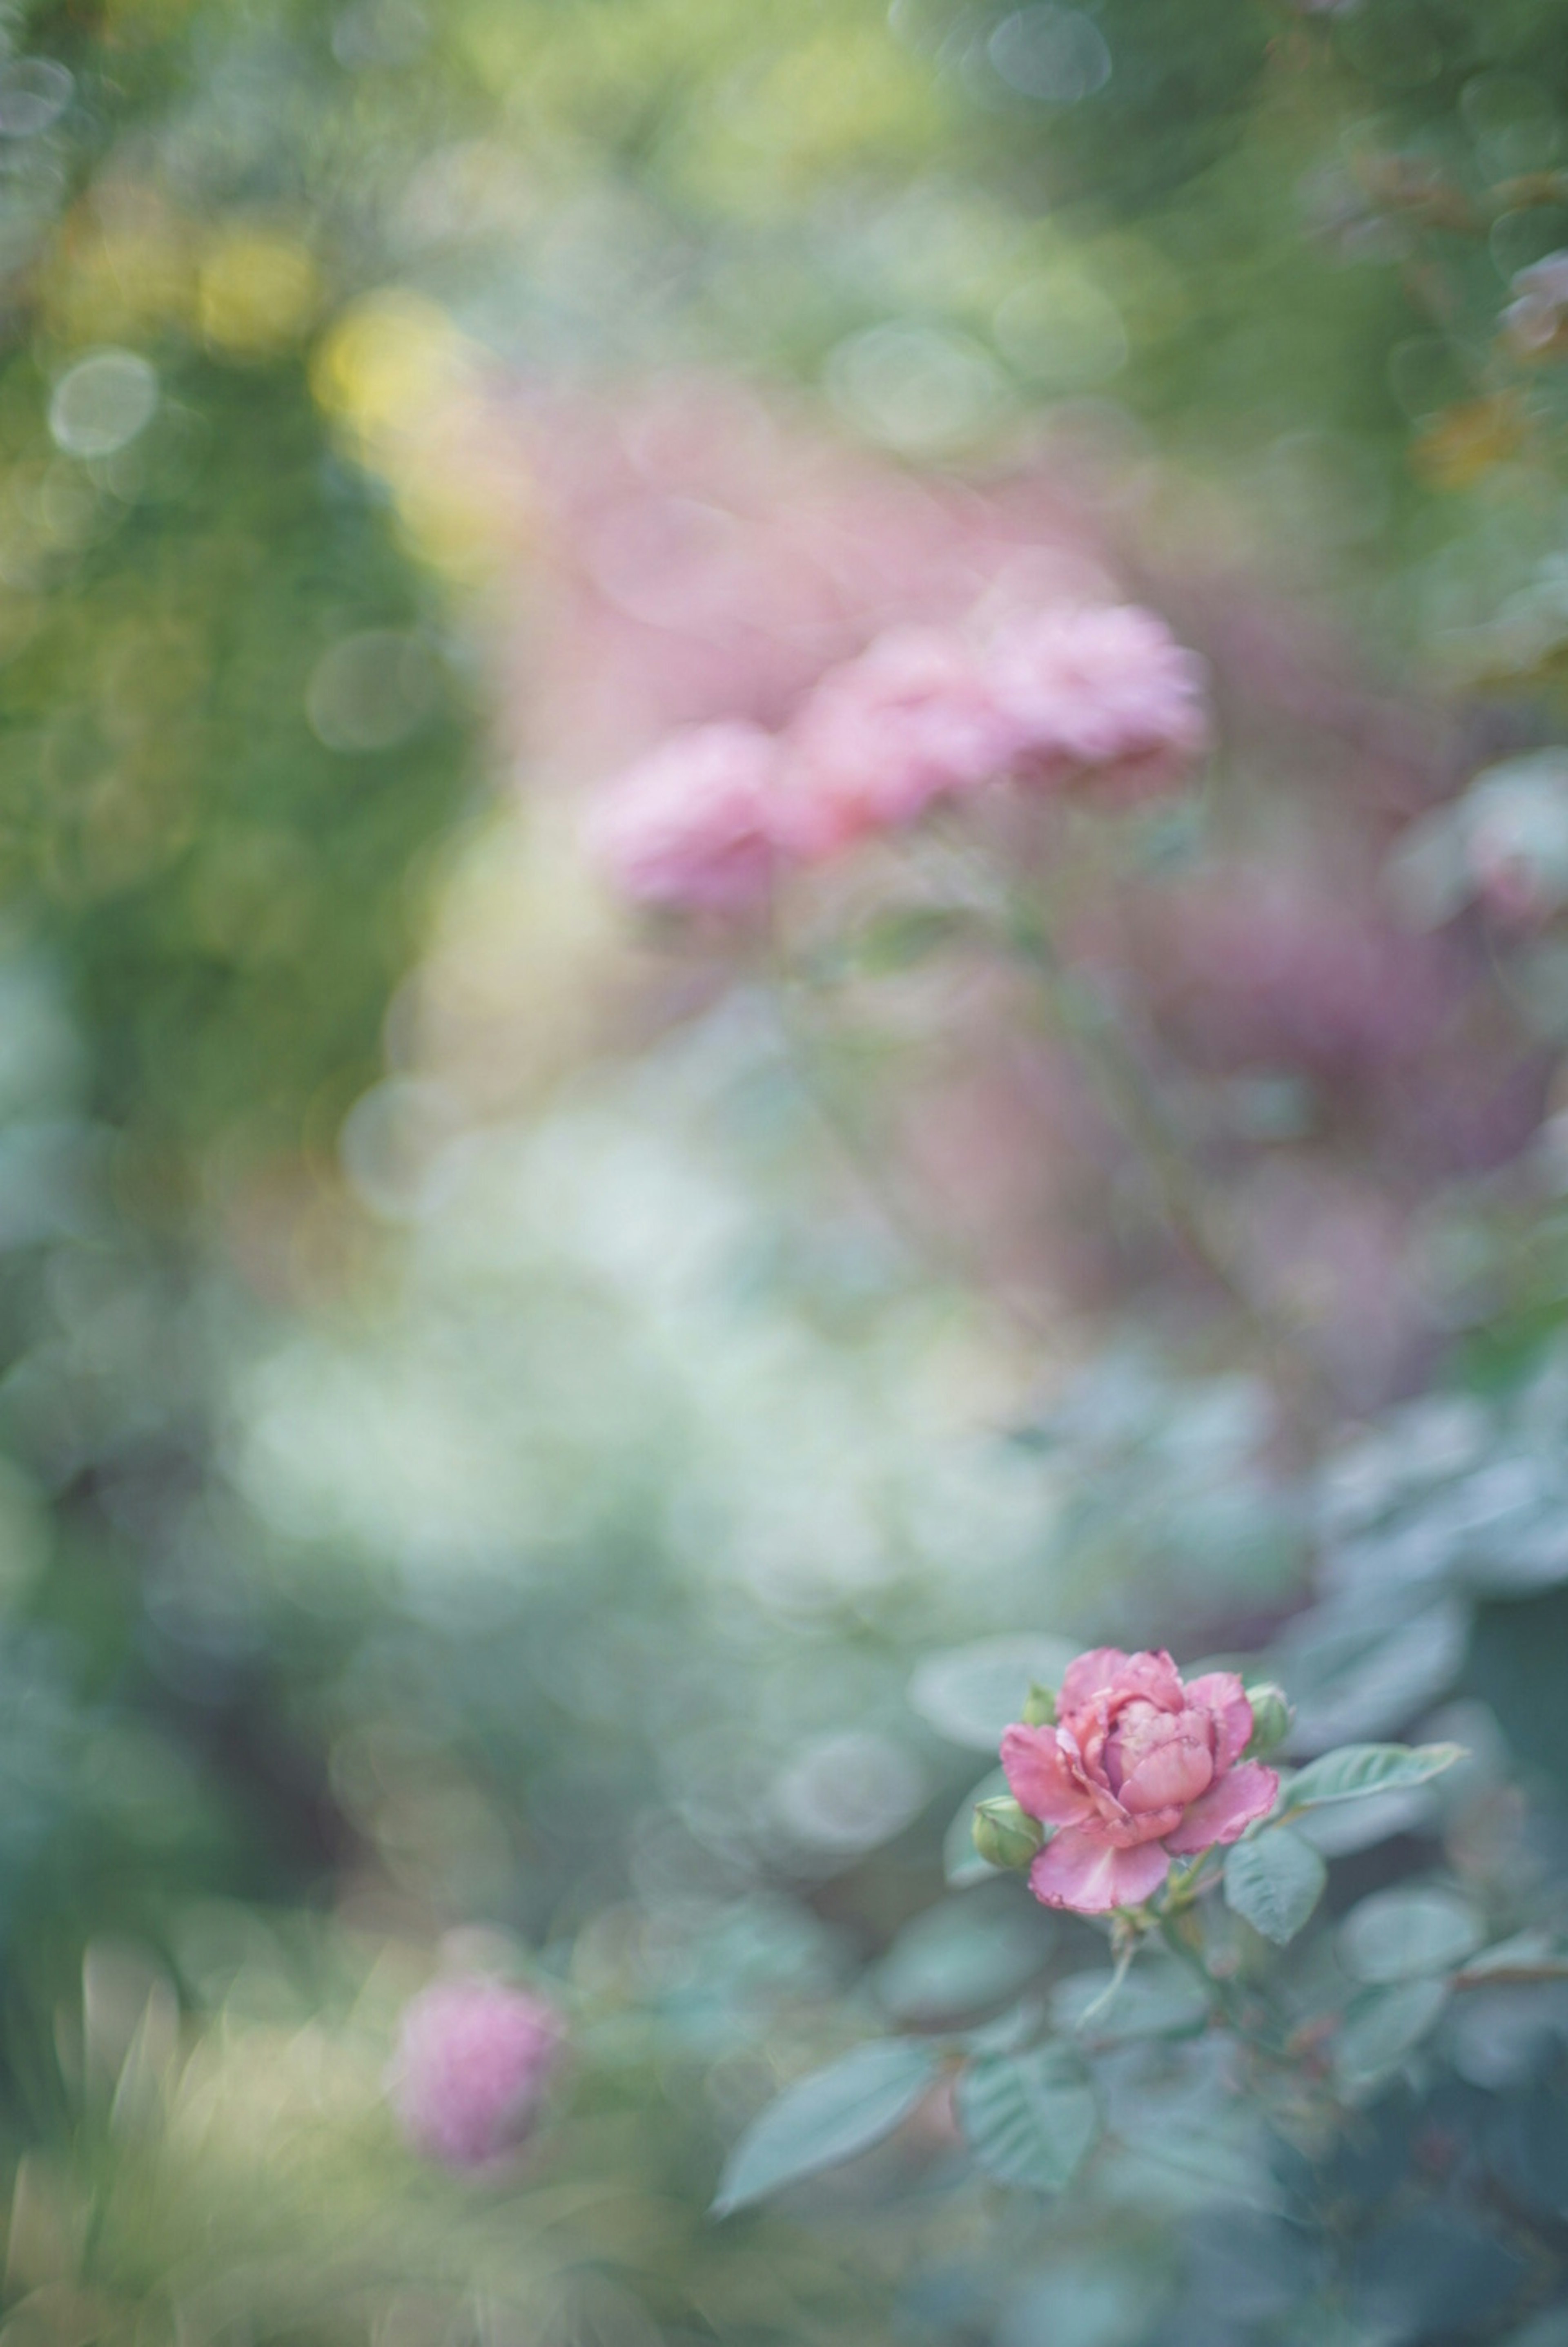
[[963, 1957], [1381, 2027], [1340, 1827], [1273, 1882], [830, 2116], [960, 1862], [1029, 2118], [970, 1694], [1357, 1769], [1399, 1935]]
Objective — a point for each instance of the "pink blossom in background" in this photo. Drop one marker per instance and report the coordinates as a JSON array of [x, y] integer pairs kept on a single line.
[[1139, 1769], [708, 818], [472, 2059], [694, 824], [705, 550], [1103, 692], [882, 737], [1254, 965]]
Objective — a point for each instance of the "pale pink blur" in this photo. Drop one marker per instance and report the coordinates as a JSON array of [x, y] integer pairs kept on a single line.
[[472, 2059], [1102, 695], [694, 822]]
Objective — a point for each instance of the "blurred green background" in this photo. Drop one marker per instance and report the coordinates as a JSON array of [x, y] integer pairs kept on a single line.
[[496, 1407]]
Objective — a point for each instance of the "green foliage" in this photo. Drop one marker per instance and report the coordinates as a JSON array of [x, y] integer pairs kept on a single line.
[[1273, 1882], [1031, 2118], [965, 1958], [831, 2117], [1381, 2028], [1397, 1935], [1360, 1769]]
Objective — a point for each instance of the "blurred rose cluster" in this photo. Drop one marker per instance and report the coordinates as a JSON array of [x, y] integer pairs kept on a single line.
[[777, 645], [1100, 698]]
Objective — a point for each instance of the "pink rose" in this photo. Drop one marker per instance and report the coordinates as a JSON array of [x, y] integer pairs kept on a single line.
[[910, 721], [1102, 694], [693, 824], [1137, 1770], [472, 2062]]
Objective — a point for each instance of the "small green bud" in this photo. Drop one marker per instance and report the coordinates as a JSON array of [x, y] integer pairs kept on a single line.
[[1039, 1707], [1005, 1835], [1272, 1717]]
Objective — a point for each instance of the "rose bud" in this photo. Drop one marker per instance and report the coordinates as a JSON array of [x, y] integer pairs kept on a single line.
[[1273, 1716], [1004, 1834]]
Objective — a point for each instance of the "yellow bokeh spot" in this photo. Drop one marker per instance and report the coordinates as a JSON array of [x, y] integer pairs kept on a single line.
[[388, 363], [408, 390], [258, 293], [1460, 448]]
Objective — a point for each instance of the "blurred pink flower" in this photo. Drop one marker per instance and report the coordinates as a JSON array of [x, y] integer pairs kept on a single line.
[[694, 824], [472, 2062], [912, 721], [1138, 1770], [1254, 965], [1103, 693]]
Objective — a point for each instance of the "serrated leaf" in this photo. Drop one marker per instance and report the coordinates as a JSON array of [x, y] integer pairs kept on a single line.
[[1382, 2026], [826, 2118], [1357, 1769], [970, 1694], [1029, 2118], [1273, 1882], [1397, 1935], [960, 1862]]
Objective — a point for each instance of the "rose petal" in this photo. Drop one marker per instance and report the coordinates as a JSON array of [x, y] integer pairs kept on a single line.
[[1040, 1776], [1171, 1773], [1222, 1694], [1226, 1810], [1077, 1870], [1090, 1675], [1151, 1678]]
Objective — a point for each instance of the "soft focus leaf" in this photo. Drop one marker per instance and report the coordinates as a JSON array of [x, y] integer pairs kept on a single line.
[[827, 2118], [1154, 1999], [1399, 1935], [972, 1692], [962, 1863], [1079, 2303], [1273, 1882], [962, 1958], [1029, 2118], [1357, 1769], [1432, 2274], [1361, 1665], [1381, 2027]]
